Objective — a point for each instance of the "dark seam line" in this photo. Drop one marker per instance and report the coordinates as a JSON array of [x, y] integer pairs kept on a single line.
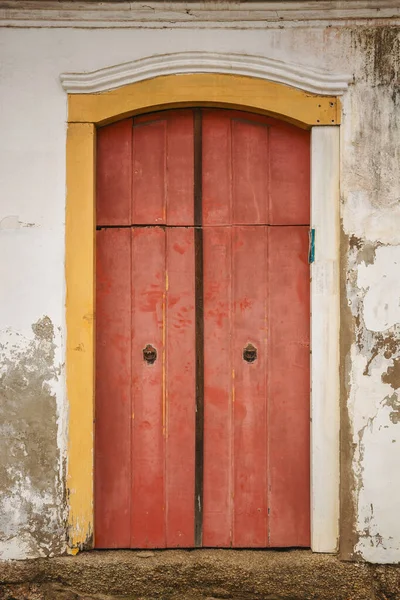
[[99, 227], [199, 331]]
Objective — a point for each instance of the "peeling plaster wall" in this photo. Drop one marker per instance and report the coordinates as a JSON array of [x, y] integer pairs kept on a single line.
[[34, 406], [31, 480], [371, 253]]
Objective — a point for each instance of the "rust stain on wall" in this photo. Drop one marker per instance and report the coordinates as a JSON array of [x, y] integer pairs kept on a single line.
[[392, 375]]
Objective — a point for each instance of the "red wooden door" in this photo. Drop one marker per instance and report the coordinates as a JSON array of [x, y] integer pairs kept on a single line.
[[202, 365]]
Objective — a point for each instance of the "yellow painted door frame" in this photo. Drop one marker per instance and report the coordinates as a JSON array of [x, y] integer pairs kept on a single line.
[[85, 113]]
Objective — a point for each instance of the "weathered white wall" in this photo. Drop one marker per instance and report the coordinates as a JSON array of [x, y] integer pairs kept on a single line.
[[34, 414]]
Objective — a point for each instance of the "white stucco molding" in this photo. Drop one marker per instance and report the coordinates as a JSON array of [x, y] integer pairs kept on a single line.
[[309, 79], [270, 13]]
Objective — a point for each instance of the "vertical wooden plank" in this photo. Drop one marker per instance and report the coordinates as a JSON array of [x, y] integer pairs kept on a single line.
[[325, 396], [180, 163], [217, 177], [218, 432], [163, 168], [113, 389], [289, 386], [250, 387], [149, 173], [180, 385], [114, 174], [148, 388], [217, 186], [250, 172], [290, 175]]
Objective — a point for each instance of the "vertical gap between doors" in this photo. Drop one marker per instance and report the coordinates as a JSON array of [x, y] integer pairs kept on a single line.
[[199, 329]]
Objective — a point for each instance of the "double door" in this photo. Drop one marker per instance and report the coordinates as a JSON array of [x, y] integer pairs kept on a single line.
[[202, 332]]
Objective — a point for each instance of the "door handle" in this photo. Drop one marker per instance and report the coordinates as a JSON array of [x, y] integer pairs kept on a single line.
[[150, 354], [250, 353]]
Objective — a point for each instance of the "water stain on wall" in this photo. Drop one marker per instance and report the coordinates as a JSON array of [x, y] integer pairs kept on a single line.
[[347, 531], [392, 375], [393, 402], [380, 47], [31, 497], [370, 337]]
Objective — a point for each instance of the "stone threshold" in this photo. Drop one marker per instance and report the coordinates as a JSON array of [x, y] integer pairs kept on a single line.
[[197, 575]]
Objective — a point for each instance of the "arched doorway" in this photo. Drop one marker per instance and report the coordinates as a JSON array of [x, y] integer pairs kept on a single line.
[[202, 360]]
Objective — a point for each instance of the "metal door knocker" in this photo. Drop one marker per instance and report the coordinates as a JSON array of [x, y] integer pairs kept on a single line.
[[150, 354], [250, 353]]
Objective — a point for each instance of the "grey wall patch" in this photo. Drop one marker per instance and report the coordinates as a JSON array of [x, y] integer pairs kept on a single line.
[[394, 403], [31, 492]]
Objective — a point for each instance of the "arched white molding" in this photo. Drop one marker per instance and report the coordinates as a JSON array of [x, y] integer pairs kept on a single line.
[[309, 79]]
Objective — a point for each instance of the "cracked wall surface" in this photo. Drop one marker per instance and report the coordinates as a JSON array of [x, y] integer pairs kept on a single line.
[[32, 170]]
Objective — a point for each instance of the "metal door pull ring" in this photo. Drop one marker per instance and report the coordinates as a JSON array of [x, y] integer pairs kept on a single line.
[[250, 353], [150, 354]]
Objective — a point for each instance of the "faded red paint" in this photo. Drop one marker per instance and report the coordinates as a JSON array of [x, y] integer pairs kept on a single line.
[[255, 184], [114, 174], [180, 385], [256, 414], [289, 387], [113, 389]]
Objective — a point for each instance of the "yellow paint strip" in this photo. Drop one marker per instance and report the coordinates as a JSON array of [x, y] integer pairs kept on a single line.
[[234, 91], [164, 363], [164, 366], [80, 326]]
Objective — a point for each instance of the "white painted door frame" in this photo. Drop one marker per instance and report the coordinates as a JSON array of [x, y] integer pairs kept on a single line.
[[325, 319]]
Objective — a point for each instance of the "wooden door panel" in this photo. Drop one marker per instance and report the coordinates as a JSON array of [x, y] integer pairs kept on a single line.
[[179, 418], [256, 170], [218, 381], [149, 173], [217, 168], [235, 169], [249, 275], [235, 445], [256, 414], [290, 171], [148, 394], [114, 174], [163, 149], [255, 210], [250, 172], [163, 392], [113, 389], [289, 387], [180, 159]]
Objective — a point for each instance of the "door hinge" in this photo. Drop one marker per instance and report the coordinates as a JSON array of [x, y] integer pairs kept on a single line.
[[311, 246]]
